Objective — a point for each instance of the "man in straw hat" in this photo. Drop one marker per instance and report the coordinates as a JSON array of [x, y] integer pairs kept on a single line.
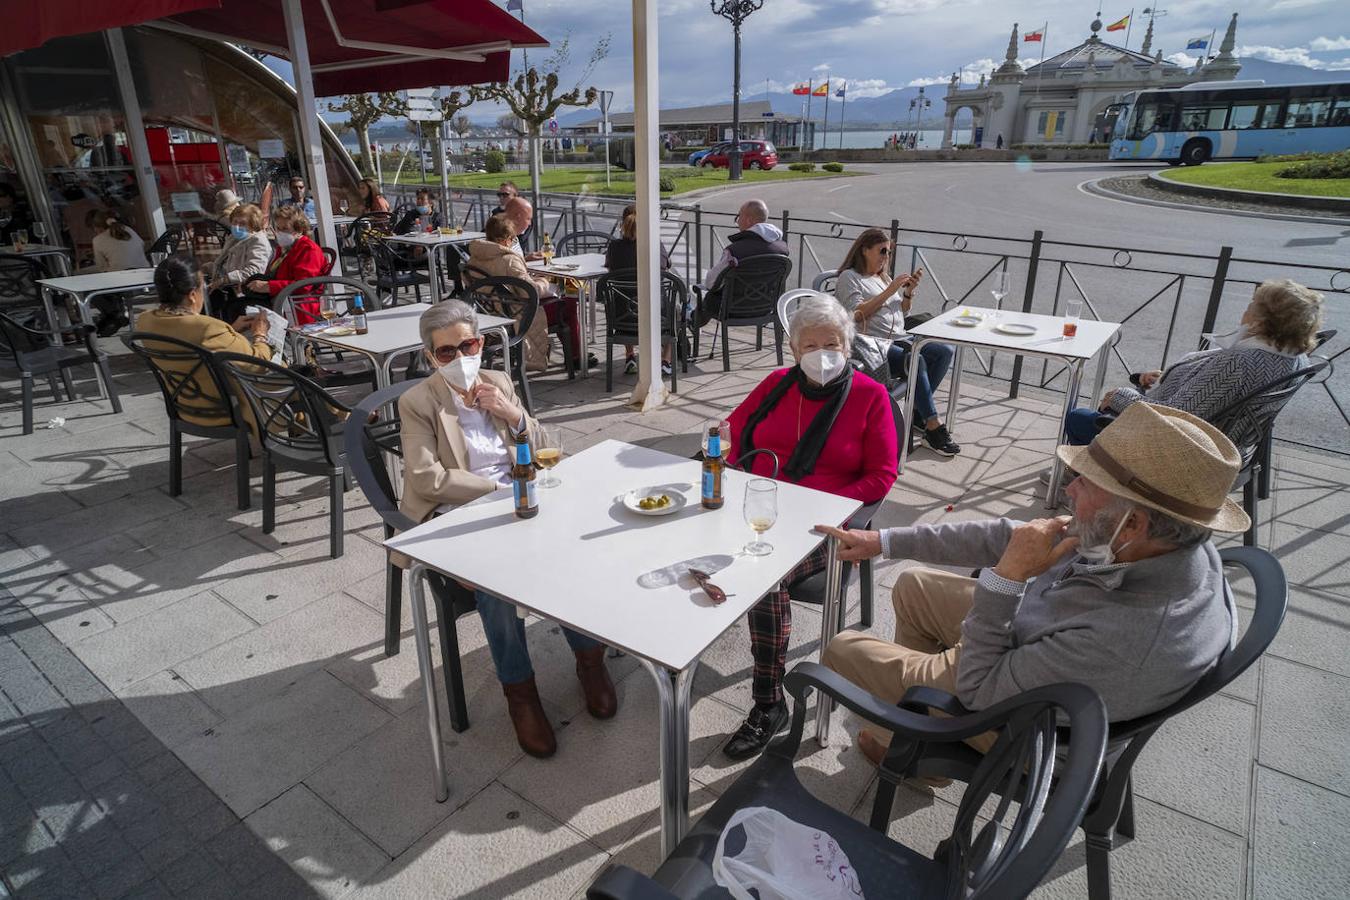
[[1126, 595]]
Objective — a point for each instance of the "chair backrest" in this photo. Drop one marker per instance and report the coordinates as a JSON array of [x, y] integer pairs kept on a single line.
[[16, 340], [507, 297], [1247, 421], [787, 304], [1323, 336], [824, 282], [294, 416], [190, 380], [751, 288], [576, 242], [371, 432], [18, 281], [618, 294], [171, 241], [330, 257], [310, 289]]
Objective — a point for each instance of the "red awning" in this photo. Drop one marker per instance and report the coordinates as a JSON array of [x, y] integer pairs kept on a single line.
[[354, 45]]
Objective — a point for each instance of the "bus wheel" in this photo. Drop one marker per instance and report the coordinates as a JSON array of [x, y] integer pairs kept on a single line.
[[1195, 152]]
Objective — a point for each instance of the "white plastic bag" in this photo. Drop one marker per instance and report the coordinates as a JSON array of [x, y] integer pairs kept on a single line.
[[783, 860]]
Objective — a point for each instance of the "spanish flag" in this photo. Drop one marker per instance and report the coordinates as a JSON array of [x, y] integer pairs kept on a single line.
[[1119, 26], [822, 91]]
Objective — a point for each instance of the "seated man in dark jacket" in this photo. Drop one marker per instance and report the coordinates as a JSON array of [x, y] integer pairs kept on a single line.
[[756, 238], [420, 217]]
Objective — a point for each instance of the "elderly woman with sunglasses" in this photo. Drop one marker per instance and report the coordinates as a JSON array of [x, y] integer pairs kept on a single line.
[[458, 428], [879, 305]]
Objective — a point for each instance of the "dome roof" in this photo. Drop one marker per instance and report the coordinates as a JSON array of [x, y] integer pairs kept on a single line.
[[1104, 56]]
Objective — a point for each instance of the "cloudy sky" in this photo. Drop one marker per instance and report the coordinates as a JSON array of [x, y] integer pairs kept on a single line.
[[879, 45]]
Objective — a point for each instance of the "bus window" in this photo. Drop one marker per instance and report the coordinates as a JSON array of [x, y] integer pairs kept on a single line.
[[1340, 112], [1270, 115], [1244, 115], [1145, 121], [1307, 113], [1203, 118]]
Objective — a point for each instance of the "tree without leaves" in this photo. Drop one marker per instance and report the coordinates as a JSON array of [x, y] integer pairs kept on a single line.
[[461, 125], [364, 110]]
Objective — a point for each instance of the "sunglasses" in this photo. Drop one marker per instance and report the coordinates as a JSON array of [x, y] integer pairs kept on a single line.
[[504, 195], [704, 580], [449, 353]]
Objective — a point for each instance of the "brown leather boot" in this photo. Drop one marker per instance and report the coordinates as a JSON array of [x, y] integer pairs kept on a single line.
[[533, 732], [601, 701]]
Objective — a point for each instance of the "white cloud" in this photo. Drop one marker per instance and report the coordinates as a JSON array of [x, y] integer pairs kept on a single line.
[[1323, 44], [823, 67], [970, 73], [1297, 56], [1185, 60], [867, 87]]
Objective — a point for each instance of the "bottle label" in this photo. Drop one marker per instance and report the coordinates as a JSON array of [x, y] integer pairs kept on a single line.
[[709, 484], [714, 445], [528, 488]]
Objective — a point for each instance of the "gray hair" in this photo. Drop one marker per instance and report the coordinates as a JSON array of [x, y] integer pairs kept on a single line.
[[757, 210], [444, 315], [817, 309], [1161, 526]]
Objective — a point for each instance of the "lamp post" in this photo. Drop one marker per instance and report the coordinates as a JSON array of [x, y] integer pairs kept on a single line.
[[736, 11]]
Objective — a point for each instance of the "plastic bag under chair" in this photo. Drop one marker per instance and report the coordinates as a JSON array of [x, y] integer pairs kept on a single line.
[[783, 860]]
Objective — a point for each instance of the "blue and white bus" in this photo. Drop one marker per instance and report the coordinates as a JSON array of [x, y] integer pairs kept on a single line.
[[1237, 120]]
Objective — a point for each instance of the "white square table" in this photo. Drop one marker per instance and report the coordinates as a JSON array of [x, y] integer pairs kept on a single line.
[[84, 288], [587, 562], [1092, 340], [589, 268], [433, 243]]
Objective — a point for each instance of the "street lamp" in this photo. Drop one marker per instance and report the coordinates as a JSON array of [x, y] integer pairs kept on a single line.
[[737, 11]]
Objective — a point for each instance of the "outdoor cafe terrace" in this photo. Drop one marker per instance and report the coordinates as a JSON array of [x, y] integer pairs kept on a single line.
[[187, 702]]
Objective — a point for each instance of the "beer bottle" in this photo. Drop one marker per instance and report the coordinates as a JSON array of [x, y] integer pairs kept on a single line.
[[522, 479], [712, 471], [359, 316], [548, 250]]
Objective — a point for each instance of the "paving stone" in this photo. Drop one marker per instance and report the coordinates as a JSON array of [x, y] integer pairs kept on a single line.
[[1305, 715], [318, 843], [167, 848], [95, 857], [190, 871], [120, 879], [169, 708], [1298, 840]]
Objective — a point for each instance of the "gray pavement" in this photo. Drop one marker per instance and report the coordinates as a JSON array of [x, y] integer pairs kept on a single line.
[[248, 669]]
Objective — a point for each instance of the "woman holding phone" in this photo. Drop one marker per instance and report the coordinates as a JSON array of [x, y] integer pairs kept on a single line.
[[879, 304]]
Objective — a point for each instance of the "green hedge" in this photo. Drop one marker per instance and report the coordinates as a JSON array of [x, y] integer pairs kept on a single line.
[[1322, 165], [832, 166], [1059, 146], [495, 160], [802, 166], [667, 183]]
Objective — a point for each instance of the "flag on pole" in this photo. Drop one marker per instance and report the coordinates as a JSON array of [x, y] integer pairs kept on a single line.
[[1119, 26], [823, 90], [515, 5], [842, 88], [1037, 36], [801, 89], [1197, 43]]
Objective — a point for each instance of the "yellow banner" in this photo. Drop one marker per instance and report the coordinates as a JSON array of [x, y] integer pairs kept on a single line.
[[1051, 120]]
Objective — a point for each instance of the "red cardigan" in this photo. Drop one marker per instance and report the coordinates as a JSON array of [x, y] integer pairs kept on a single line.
[[860, 456], [304, 259]]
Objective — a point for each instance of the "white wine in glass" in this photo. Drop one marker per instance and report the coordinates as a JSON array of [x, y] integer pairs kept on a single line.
[[343, 206], [40, 231], [761, 512], [999, 288], [548, 454], [328, 307]]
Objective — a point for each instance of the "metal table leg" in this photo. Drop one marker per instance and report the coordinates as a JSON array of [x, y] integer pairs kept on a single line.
[[1099, 380], [954, 385], [1070, 398], [505, 335], [672, 692], [829, 627], [426, 667], [586, 322], [909, 402]]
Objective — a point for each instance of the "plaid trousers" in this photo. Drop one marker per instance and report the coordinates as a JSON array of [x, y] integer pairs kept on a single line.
[[770, 622]]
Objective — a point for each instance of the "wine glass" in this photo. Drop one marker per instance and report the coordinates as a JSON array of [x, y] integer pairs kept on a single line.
[[999, 288], [761, 512], [343, 205], [328, 307], [20, 239], [723, 432], [40, 232], [549, 453]]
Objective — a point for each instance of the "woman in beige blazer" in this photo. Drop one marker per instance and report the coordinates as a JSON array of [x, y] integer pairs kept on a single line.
[[458, 428]]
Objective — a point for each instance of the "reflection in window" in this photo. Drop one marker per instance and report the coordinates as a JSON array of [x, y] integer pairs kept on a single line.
[[1307, 113]]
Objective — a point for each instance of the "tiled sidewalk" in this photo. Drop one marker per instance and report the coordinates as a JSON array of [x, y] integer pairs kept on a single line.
[[257, 664]]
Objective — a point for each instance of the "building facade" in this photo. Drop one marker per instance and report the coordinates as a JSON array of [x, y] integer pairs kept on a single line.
[[1063, 100], [700, 126]]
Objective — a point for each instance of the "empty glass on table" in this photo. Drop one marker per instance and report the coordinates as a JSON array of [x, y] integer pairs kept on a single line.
[[761, 512]]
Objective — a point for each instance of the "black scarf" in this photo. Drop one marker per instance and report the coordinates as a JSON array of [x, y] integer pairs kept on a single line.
[[807, 451]]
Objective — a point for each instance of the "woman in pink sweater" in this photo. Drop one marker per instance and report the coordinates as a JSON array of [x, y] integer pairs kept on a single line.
[[832, 430]]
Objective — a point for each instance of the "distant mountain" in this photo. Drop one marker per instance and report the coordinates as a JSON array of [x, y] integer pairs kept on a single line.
[[1285, 73]]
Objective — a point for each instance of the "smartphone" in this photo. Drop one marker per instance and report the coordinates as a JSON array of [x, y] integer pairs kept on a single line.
[[251, 310]]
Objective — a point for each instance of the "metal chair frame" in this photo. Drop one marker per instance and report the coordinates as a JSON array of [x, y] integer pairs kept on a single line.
[[619, 295], [750, 291], [585, 241], [518, 299], [35, 351]]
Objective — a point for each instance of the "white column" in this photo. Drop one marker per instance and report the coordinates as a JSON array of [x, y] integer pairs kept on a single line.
[[947, 126], [310, 136], [650, 391], [146, 182]]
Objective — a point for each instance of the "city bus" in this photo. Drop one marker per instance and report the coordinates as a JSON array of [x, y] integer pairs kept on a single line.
[[1235, 120]]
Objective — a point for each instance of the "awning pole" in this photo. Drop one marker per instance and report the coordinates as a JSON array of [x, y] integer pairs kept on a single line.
[[146, 182], [650, 391], [309, 127]]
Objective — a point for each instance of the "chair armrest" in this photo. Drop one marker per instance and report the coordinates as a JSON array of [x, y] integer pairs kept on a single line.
[[921, 698], [623, 883], [863, 517]]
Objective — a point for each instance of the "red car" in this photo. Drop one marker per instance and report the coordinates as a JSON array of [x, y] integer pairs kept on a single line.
[[754, 155]]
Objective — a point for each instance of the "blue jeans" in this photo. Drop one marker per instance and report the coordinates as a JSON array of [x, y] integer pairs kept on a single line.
[[1081, 426], [506, 638], [937, 359]]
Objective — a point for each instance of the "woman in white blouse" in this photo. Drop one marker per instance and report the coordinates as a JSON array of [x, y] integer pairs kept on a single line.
[[116, 246], [459, 428]]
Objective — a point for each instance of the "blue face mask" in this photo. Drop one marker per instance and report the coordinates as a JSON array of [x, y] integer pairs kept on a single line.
[[239, 231], [424, 210]]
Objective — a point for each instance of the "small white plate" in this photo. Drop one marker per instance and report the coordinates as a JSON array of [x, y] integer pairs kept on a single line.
[[1015, 329], [965, 321], [339, 330], [678, 501]]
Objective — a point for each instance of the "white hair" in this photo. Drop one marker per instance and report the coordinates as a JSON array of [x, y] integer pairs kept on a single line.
[[817, 309], [444, 315], [757, 210]]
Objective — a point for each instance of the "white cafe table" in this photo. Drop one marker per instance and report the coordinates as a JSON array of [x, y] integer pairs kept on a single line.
[[602, 570], [84, 288], [38, 251], [433, 243], [588, 269], [1048, 342]]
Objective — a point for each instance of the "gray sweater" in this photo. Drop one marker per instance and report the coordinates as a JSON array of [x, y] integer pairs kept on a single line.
[[1140, 634]]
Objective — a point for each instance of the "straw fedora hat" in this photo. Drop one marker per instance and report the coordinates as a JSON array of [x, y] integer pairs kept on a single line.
[[1167, 460]]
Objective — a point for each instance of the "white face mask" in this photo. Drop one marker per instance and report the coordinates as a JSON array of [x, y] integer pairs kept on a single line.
[[285, 238], [1102, 554], [1228, 339], [823, 366], [461, 372]]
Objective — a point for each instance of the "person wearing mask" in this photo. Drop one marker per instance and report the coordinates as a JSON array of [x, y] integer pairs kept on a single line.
[[831, 429], [421, 217], [116, 247], [755, 238], [459, 428], [495, 256], [299, 198], [297, 257], [879, 305], [246, 255], [226, 202], [558, 308], [369, 198], [621, 255]]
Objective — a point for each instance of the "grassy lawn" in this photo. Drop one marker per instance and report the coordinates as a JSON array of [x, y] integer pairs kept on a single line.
[[592, 181], [1259, 176]]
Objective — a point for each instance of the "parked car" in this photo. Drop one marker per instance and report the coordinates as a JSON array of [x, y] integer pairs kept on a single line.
[[697, 156], [754, 155]]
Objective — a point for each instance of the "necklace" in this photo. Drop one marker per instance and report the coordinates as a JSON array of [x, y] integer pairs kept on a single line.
[[799, 415]]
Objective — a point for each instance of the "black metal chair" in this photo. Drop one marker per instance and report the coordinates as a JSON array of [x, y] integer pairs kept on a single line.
[[194, 388], [299, 426], [1111, 811], [208, 234], [371, 432], [310, 290], [171, 241], [516, 299], [575, 242], [619, 296], [396, 271], [356, 243], [749, 294], [1249, 424], [1003, 856], [18, 282], [34, 351], [330, 258]]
